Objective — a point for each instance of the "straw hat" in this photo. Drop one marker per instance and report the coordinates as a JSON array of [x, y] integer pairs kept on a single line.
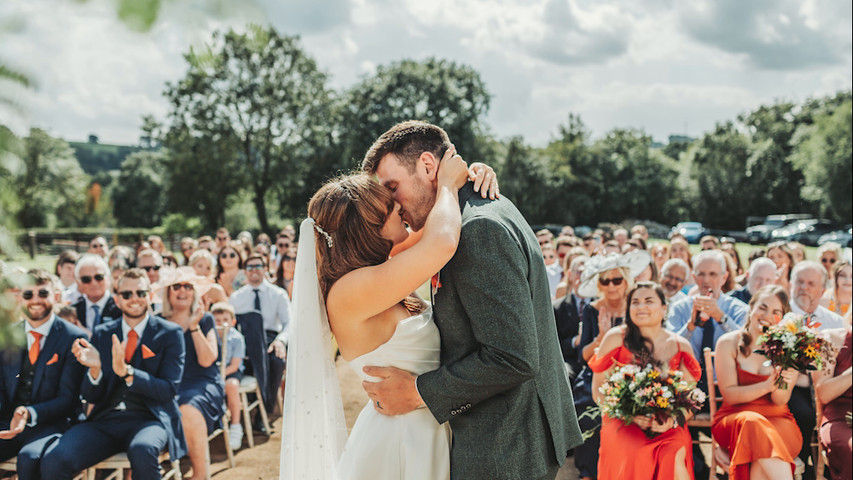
[[635, 261], [181, 275]]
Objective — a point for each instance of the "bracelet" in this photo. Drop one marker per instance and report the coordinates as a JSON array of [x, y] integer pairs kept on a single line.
[[193, 330]]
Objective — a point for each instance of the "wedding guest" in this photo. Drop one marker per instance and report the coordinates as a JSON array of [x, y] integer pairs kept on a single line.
[[564, 287], [649, 274], [118, 263], [828, 254], [259, 295], [761, 272], [93, 281], [642, 340], [64, 269], [835, 391], [798, 251], [679, 248], [783, 257], [660, 254], [837, 299], [156, 243], [169, 260], [641, 230], [609, 278], [39, 378], [731, 251], [229, 268], [206, 242], [567, 313], [223, 238], [134, 370], [151, 261], [201, 391], [552, 267], [69, 314], [754, 424], [282, 245], [709, 242], [224, 315], [188, 247], [674, 275], [202, 263], [620, 235], [285, 271], [98, 246], [808, 281]]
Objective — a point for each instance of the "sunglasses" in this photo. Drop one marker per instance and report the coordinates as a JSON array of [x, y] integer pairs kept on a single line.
[[674, 279], [29, 294], [289, 259], [228, 255], [176, 287], [88, 279], [222, 239], [127, 294], [282, 246], [149, 268], [607, 281], [827, 260], [254, 267]]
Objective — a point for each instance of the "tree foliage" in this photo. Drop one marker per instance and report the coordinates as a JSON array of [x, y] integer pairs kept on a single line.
[[138, 196], [255, 95]]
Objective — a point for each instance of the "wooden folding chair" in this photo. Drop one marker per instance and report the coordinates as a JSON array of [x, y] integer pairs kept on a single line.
[[118, 463], [818, 452], [226, 416]]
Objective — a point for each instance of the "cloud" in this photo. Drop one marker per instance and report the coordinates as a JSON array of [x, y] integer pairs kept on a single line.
[[295, 16], [771, 34]]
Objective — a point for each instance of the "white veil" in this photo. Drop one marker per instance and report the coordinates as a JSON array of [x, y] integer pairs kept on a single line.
[[313, 428]]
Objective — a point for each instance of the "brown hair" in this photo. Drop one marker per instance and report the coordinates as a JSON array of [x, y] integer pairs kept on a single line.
[[40, 276], [407, 141], [641, 347], [238, 248], [780, 293], [134, 273], [257, 256], [836, 269], [352, 209]]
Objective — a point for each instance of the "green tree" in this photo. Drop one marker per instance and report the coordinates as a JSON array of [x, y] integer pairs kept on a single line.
[[525, 179], [256, 95], [50, 185], [441, 92], [138, 196], [824, 154]]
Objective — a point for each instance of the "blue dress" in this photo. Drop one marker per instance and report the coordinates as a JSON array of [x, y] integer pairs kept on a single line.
[[202, 387]]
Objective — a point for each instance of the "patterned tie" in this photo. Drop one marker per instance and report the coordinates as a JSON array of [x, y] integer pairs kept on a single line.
[[35, 348], [132, 337], [257, 300], [97, 319]]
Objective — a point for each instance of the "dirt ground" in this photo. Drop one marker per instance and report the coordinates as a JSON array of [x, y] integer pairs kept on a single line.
[[262, 461]]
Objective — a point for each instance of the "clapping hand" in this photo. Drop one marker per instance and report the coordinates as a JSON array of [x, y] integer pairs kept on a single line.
[[119, 365], [17, 424], [605, 321], [86, 354]]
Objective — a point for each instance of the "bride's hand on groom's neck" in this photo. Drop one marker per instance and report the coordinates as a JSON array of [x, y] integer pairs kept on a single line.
[[396, 392]]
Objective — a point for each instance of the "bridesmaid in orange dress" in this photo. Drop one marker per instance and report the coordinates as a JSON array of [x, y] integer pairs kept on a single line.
[[625, 450], [754, 424], [835, 391]]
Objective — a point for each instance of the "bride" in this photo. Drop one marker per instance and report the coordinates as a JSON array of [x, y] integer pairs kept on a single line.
[[352, 289]]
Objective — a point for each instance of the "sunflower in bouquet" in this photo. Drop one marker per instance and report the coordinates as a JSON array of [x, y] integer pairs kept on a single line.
[[794, 342], [632, 391]]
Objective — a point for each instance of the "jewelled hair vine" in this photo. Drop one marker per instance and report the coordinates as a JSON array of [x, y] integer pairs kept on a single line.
[[328, 237]]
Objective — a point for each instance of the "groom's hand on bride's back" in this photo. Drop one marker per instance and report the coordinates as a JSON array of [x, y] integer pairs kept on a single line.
[[395, 393]]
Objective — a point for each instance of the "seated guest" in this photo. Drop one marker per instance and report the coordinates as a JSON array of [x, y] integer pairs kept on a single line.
[[609, 278], [552, 267], [151, 261], [39, 378], [834, 389], [709, 242], [754, 424], [223, 313], [783, 257], [93, 282], [69, 314], [188, 247], [202, 392], [567, 313], [564, 288], [837, 299], [679, 248], [673, 276], [640, 340], [259, 295], [229, 269], [65, 262], [798, 251], [98, 246], [761, 272], [135, 366], [808, 284], [285, 271], [660, 254]]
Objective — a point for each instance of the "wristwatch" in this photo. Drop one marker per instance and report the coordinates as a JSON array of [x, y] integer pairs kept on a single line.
[[129, 373]]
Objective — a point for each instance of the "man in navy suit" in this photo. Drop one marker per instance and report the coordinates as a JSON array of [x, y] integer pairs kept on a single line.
[[39, 378], [135, 365], [93, 282]]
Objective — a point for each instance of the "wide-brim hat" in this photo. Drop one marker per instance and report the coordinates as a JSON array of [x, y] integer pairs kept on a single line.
[[635, 261], [174, 276]]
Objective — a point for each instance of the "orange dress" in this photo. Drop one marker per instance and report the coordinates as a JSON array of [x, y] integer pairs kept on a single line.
[[625, 450], [754, 430]]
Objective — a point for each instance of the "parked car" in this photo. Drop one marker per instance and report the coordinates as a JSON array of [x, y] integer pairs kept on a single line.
[[806, 232], [761, 233], [692, 231], [841, 237], [784, 234]]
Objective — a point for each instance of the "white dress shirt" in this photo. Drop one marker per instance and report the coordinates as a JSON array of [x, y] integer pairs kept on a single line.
[[275, 306], [44, 329], [826, 317], [90, 312]]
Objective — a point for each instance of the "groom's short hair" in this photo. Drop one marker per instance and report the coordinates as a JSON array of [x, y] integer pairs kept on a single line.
[[407, 141]]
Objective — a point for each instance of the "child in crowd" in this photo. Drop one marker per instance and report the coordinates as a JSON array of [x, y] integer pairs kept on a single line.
[[69, 314], [235, 351]]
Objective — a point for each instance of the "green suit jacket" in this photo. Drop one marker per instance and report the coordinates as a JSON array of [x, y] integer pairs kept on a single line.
[[502, 383]]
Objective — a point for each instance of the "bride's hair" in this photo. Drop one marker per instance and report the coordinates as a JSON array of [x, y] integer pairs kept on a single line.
[[352, 209]]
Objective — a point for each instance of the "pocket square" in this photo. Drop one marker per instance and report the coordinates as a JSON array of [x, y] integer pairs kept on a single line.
[[53, 359], [146, 352]]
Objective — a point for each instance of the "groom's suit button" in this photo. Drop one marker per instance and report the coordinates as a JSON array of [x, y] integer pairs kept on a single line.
[[468, 406], [453, 412]]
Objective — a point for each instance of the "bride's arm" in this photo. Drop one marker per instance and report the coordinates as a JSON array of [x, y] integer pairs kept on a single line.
[[368, 291]]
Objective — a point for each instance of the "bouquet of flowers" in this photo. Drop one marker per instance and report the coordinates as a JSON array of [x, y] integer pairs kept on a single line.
[[794, 342], [633, 391]]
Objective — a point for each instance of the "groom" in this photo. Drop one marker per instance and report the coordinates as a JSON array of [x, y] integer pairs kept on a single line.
[[502, 384]]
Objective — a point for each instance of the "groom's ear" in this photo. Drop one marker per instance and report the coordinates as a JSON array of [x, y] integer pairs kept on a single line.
[[429, 164]]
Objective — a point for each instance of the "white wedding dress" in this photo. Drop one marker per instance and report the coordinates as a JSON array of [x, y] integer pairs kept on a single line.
[[404, 447]]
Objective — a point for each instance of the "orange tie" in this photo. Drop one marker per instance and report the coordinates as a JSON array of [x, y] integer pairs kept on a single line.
[[35, 347], [131, 345]]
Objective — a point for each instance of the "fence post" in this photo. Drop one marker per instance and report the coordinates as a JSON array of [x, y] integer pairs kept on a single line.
[[32, 243]]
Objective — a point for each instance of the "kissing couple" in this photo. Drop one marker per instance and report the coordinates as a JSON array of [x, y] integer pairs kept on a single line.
[[469, 386]]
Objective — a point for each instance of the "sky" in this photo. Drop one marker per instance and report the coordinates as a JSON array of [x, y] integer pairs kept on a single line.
[[662, 66]]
